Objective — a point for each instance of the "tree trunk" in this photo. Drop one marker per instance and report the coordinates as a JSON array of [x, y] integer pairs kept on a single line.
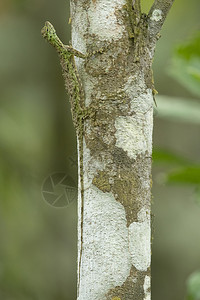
[[114, 229], [115, 142]]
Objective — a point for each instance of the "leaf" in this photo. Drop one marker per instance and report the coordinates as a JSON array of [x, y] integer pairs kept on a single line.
[[162, 155], [178, 109], [185, 65], [189, 175], [193, 286], [190, 49]]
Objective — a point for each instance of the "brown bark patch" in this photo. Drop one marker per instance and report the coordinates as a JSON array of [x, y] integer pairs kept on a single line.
[[125, 190], [101, 180], [132, 288]]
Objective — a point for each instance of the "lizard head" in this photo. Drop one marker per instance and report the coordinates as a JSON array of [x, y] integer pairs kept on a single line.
[[48, 31]]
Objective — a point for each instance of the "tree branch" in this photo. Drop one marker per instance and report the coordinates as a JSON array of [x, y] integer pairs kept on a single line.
[[134, 11], [157, 15], [137, 5]]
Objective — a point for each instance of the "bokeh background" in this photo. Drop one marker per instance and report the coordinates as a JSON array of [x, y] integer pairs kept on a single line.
[[37, 138]]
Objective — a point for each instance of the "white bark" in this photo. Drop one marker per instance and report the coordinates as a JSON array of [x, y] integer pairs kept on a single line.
[[113, 249]]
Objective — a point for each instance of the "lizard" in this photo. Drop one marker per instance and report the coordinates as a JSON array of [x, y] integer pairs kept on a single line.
[[77, 100]]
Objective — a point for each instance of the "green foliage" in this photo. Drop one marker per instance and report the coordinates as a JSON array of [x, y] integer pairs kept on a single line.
[[177, 109], [190, 49], [187, 175], [185, 65], [181, 169], [165, 156], [185, 68], [193, 286]]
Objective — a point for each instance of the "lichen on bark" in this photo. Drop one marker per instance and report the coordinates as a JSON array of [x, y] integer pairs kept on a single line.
[[117, 80], [118, 83]]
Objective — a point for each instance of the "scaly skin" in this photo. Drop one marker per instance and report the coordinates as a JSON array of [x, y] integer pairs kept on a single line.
[[70, 73], [77, 99]]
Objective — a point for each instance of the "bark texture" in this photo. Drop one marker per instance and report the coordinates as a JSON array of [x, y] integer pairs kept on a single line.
[[114, 230]]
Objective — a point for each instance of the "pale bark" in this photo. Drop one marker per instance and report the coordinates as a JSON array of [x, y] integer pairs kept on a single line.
[[114, 252]]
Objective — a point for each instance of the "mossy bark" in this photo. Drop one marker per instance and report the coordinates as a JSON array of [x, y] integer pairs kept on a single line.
[[114, 230]]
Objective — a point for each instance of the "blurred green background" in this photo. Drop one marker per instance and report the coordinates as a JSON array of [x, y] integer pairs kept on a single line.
[[37, 138]]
